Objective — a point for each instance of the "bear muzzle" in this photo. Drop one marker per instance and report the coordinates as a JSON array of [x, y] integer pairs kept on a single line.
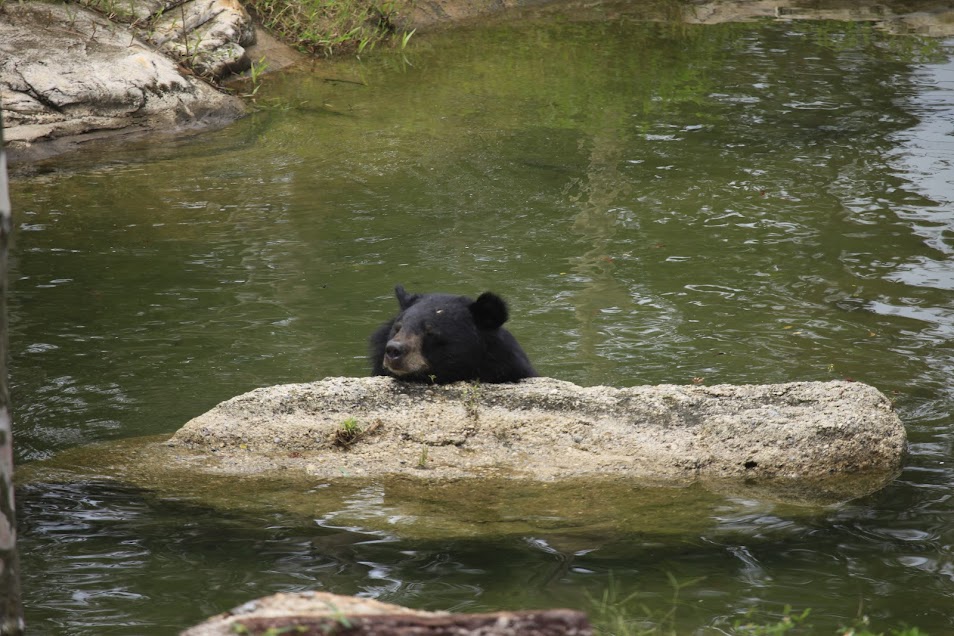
[[402, 356]]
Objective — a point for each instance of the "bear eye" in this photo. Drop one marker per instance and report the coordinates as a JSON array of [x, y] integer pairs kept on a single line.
[[396, 327], [434, 335]]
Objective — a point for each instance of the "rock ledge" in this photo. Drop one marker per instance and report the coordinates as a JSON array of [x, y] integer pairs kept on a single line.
[[546, 429]]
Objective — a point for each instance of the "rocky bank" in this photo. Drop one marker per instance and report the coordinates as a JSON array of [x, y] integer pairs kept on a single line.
[[70, 75]]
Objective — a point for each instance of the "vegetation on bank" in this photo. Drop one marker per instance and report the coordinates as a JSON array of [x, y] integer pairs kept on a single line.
[[318, 27], [616, 614], [333, 27]]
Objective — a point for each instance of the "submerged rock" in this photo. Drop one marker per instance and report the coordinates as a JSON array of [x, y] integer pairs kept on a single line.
[[325, 613], [541, 456], [546, 429]]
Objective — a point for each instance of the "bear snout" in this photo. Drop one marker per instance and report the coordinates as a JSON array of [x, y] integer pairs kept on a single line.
[[402, 356], [394, 349]]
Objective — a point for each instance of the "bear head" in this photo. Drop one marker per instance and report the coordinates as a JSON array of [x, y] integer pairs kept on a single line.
[[442, 338]]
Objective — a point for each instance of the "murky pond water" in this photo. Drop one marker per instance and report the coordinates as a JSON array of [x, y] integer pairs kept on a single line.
[[754, 203]]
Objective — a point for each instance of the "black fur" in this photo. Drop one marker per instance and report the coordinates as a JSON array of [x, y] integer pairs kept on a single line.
[[441, 338]]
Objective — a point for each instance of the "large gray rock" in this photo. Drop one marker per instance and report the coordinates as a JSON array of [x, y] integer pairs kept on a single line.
[[70, 75], [511, 460], [546, 429]]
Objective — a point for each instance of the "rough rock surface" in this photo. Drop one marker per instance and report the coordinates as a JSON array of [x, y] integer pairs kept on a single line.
[[101, 79], [324, 613], [548, 429], [208, 36], [925, 18]]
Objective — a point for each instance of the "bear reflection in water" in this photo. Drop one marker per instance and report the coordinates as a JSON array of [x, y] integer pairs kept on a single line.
[[441, 338]]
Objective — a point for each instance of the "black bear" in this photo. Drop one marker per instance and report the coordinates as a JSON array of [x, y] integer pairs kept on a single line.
[[441, 338]]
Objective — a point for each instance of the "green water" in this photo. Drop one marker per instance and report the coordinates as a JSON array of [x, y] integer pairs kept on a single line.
[[738, 203]]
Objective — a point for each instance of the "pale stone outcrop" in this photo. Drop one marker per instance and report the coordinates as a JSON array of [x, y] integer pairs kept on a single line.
[[68, 75], [500, 460], [546, 429], [208, 36]]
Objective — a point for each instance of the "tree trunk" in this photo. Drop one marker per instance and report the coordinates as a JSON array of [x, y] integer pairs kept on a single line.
[[11, 609]]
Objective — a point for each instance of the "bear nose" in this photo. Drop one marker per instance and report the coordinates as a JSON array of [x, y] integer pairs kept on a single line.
[[394, 349]]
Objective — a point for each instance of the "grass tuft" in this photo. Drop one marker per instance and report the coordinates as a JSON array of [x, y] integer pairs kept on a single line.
[[333, 27], [350, 432]]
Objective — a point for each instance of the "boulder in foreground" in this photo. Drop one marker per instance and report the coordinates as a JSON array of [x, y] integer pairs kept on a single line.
[[324, 613], [546, 429]]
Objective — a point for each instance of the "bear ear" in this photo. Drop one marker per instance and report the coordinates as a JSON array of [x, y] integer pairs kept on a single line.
[[489, 311], [405, 299]]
